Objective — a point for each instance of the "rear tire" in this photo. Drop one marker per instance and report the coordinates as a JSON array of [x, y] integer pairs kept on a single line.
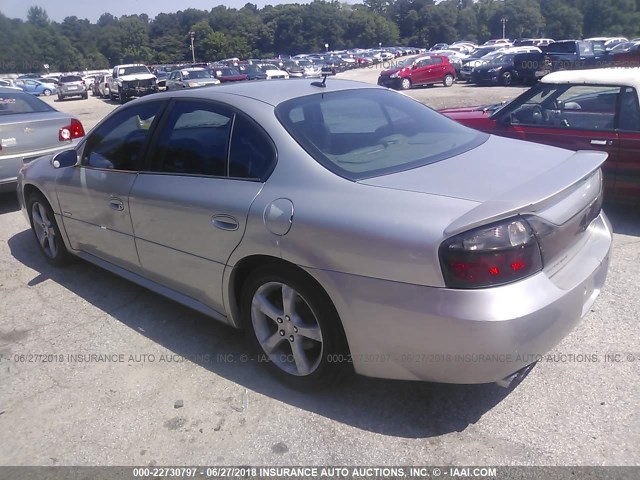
[[46, 231], [85, 95], [448, 80], [294, 327], [112, 97]]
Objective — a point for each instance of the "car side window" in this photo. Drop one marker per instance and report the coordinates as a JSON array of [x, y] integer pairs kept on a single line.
[[118, 142], [251, 154], [436, 61], [194, 140], [629, 113], [577, 107]]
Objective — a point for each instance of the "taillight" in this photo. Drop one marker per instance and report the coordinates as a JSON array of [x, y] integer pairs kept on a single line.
[[72, 131], [492, 255]]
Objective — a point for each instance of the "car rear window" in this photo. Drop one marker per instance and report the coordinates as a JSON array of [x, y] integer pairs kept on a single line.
[[71, 78], [370, 132], [18, 102]]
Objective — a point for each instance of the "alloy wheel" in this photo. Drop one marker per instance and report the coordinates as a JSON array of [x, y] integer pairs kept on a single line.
[[44, 229], [287, 328]]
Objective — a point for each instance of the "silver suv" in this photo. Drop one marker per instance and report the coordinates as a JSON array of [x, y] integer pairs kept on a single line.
[[72, 86]]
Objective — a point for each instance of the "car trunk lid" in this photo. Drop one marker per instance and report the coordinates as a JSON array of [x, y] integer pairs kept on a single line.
[[28, 132], [559, 190]]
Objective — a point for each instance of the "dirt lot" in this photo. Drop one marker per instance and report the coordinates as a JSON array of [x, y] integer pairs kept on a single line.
[[91, 368]]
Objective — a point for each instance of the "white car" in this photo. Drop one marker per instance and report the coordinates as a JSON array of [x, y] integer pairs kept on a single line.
[[272, 71]]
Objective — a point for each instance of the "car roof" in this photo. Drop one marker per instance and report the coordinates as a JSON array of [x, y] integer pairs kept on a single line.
[[193, 69], [272, 91], [597, 76]]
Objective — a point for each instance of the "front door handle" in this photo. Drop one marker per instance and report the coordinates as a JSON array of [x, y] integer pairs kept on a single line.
[[225, 222], [116, 204], [601, 142]]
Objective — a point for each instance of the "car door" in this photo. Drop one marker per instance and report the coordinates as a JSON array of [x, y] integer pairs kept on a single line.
[[627, 166], [94, 195], [189, 208], [435, 72], [576, 117], [29, 86], [420, 74]]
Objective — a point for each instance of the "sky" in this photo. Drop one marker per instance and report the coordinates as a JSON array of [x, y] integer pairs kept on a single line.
[[91, 9]]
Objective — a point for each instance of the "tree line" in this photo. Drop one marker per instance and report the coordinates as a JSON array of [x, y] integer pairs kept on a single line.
[[222, 32]]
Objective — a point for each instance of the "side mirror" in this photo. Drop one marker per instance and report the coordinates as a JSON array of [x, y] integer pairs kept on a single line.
[[65, 159]]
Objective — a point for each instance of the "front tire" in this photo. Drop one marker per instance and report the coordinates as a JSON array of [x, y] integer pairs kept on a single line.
[[46, 231], [293, 325], [122, 97], [405, 84], [506, 79], [46, 92]]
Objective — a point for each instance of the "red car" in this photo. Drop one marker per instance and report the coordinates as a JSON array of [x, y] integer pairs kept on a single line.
[[419, 70], [578, 110], [228, 74]]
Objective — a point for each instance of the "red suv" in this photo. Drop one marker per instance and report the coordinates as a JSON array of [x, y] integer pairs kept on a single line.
[[420, 70]]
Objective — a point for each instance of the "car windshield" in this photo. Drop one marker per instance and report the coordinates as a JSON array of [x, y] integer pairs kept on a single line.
[[305, 63], [268, 66], [371, 132], [408, 62], [71, 78], [18, 102], [195, 74], [228, 72], [504, 58], [133, 70], [480, 52]]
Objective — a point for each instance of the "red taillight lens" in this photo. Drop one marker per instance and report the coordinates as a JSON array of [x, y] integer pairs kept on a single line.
[[71, 131], [490, 256]]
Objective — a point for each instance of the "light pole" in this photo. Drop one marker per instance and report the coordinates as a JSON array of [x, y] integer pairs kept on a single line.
[[326, 47], [193, 52], [504, 21]]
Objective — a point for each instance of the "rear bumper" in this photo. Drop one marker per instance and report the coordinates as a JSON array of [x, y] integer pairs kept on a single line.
[[412, 332], [10, 165]]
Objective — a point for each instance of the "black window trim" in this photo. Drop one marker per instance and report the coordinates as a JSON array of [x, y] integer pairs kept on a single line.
[[616, 121], [153, 141], [145, 147]]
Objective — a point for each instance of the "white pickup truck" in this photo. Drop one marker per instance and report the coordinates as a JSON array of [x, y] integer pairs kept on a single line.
[[133, 80]]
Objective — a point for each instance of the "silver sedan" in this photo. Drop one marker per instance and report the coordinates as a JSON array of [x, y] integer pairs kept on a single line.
[[30, 128], [344, 226]]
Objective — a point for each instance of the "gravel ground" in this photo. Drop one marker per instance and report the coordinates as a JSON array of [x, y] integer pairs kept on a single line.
[[172, 387]]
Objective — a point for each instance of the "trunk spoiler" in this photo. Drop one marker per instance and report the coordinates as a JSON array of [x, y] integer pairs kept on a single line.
[[536, 194]]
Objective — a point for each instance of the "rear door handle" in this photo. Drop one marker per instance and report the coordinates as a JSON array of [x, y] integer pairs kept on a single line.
[[601, 142], [116, 204], [225, 222]]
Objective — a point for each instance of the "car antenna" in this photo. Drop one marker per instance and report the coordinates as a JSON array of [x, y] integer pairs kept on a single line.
[[326, 71]]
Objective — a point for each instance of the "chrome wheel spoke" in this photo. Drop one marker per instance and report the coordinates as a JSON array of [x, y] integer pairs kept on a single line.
[[52, 245], [42, 237], [266, 307], [43, 215], [310, 332], [300, 357], [289, 300], [270, 343], [37, 219]]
